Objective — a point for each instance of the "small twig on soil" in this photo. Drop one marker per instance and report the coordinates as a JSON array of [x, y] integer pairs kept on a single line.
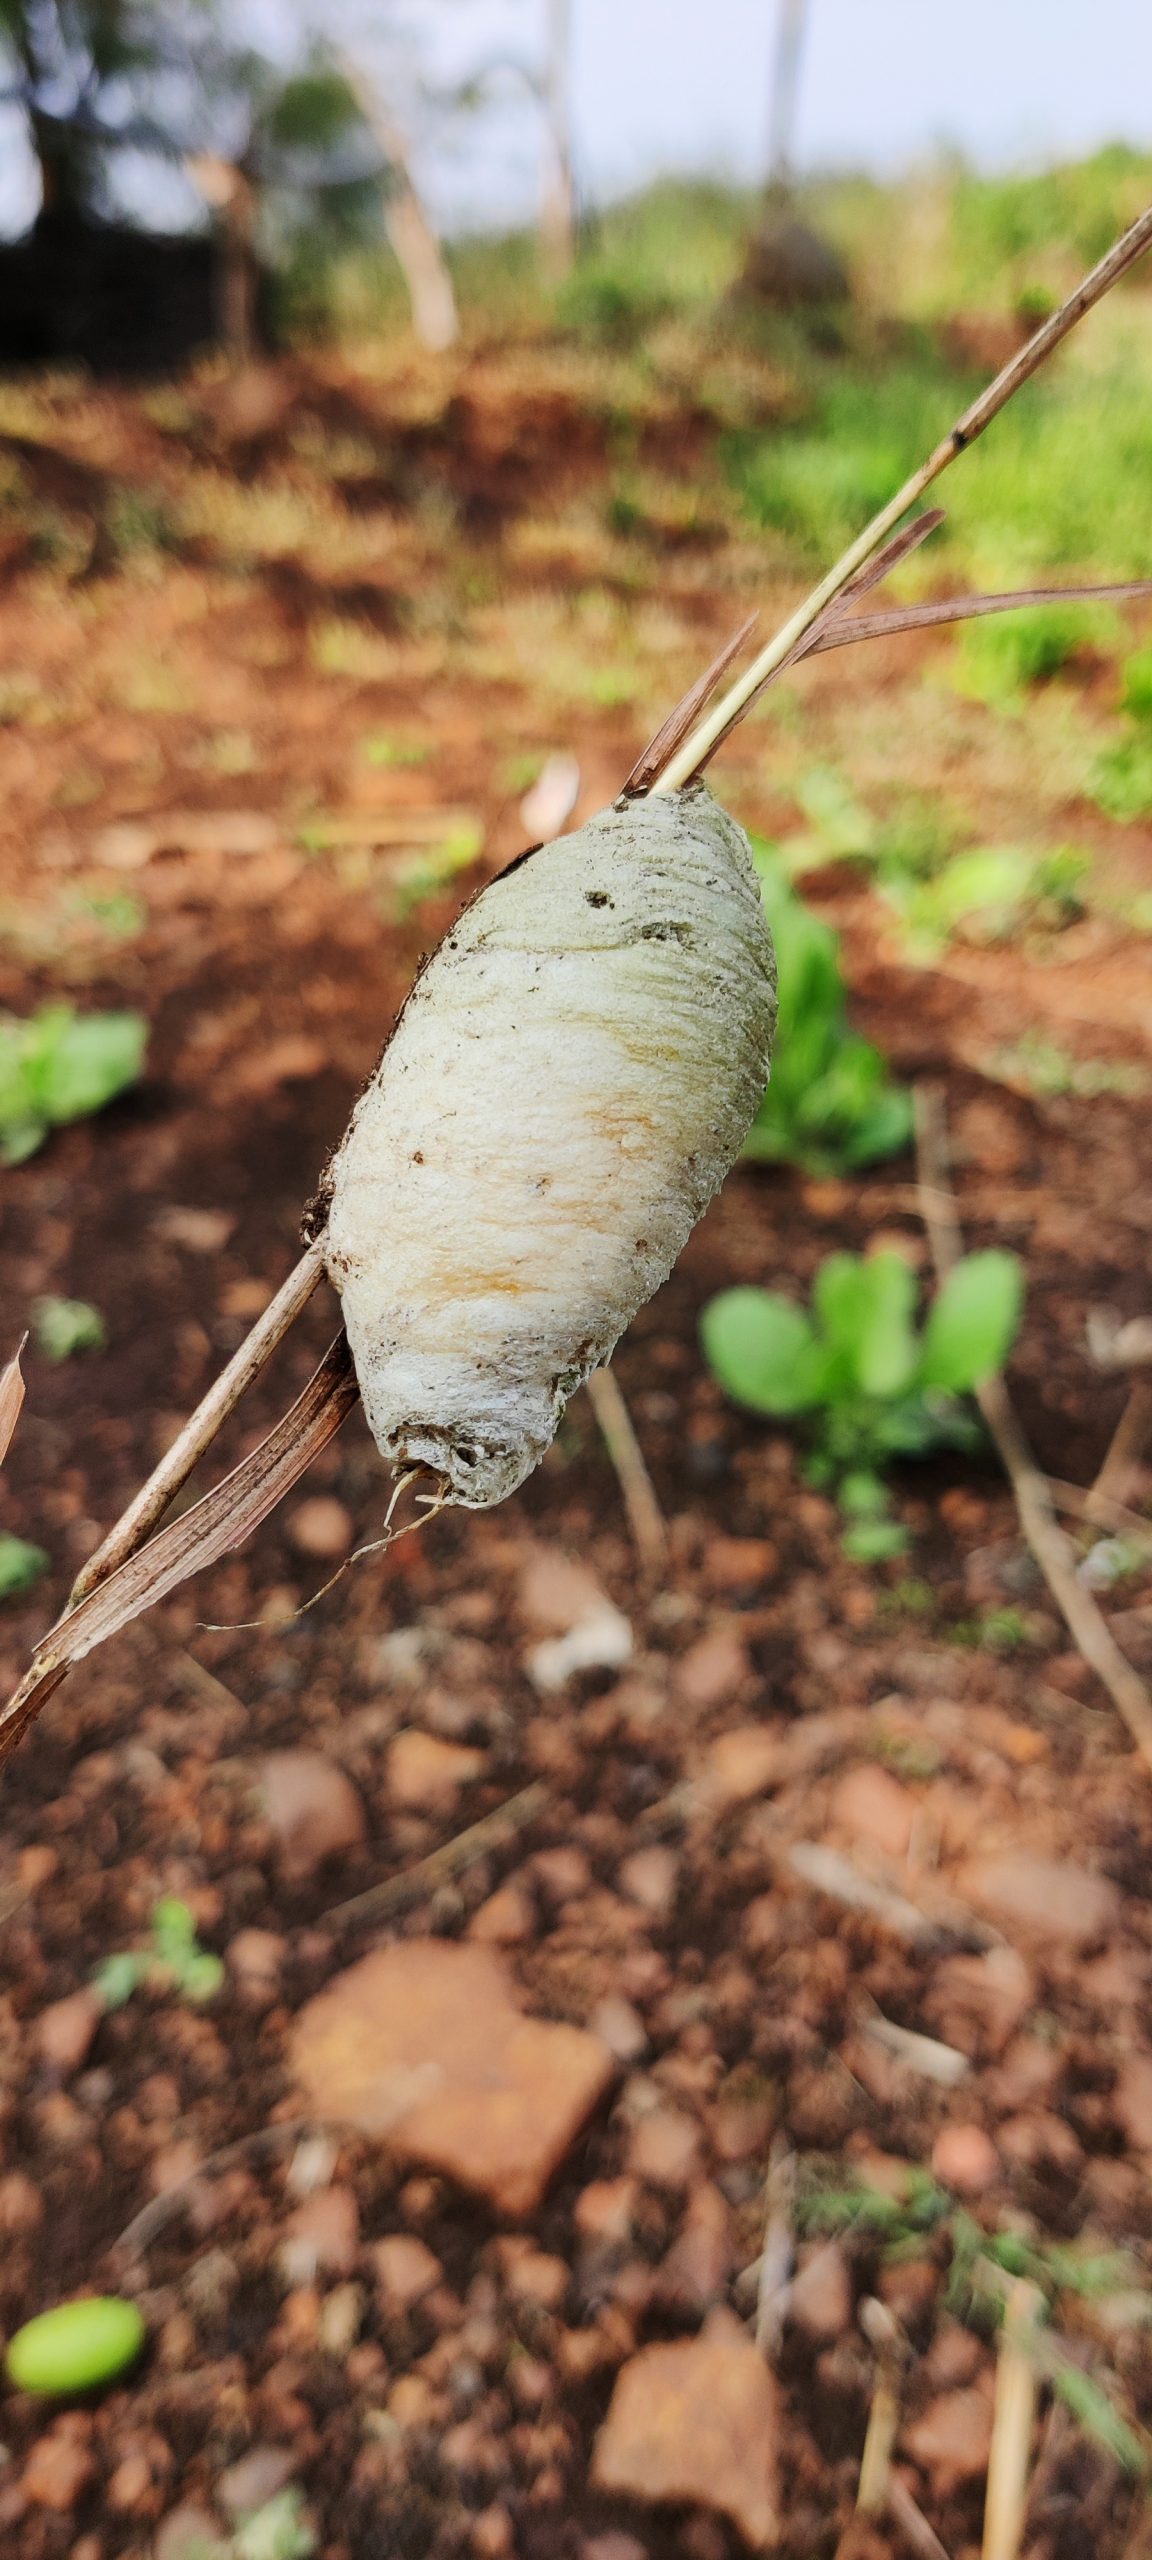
[[706, 736], [774, 2279], [150, 1504], [1124, 1458], [155, 2216], [873, 2486], [381, 1900], [1087, 1627], [1012, 2421], [617, 1431], [827, 1871], [1104, 1514], [904, 2513], [934, 2061]]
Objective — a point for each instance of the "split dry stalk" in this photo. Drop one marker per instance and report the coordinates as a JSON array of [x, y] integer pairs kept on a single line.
[[873, 2488], [1086, 1625], [774, 2277], [683, 747], [395, 1893], [617, 1431], [1010, 2452]]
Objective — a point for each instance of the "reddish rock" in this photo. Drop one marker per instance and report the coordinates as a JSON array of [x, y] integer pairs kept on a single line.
[[821, 2299], [965, 2159], [535, 2276], [250, 2483], [1037, 2138], [322, 2237], [424, 2042], [741, 1764], [405, 2270], [650, 1877], [21, 2203], [1132, 2101], [426, 1774], [562, 1874], [697, 2422], [1047, 1900], [714, 1668], [699, 2262], [59, 2469], [606, 2210], [312, 1808], [63, 2034], [321, 1527], [507, 1919], [952, 2437], [977, 2002], [870, 1808], [665, 2148], [739, 1564]]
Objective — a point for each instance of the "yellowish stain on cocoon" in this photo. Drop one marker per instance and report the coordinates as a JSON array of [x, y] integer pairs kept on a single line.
[[567, 1086]]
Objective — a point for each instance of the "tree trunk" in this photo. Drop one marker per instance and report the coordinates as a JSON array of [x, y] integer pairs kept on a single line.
[[231, 196], [791, 28], [417, 250]]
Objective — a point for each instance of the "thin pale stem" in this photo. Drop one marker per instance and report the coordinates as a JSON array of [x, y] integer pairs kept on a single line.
[[699, 744], [617, 1431]]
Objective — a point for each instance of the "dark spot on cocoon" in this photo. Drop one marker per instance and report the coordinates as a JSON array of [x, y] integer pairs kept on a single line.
[[418, 1157], [642, 1245], [598, 898]]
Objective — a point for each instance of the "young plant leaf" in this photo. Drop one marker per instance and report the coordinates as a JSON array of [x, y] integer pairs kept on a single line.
[[972, 1324], [21, 1564], [763, 1350], [11, 1399]]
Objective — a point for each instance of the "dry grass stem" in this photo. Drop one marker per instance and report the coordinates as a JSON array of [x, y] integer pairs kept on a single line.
[[212, 1528], [829, 1872], [934, 2061], [702, 740], [908, 2519], [11, 1398], [176, 1465], [617, 1431], [774, 2271], [382, 1900], [1123, 1465], [1012, 2422], [1087, 1627]]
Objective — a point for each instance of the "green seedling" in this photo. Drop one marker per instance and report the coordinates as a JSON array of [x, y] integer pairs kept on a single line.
[[831, 1104], [75, 2347], [868, 1387], [989, 894], [175, 1961], [61, 1066], [997, 661], [1042, 1067], [21, 1564], [280, 2530], [64, 1326]]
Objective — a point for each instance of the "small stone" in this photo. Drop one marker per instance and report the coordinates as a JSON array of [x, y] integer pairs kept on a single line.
[[427, 1775], [665, 2148], [821, 2299], [341, 2314], [507, 1919], [259, 2476], [189, 2533], [965, 2159], [697, 2421], [909, 2287], [492, 2535], [555, 1592], [699, 2262], [562, 1874], [1049, 1900], [955, 2356], [129, 2491], [870, 1808], [1040, 2139], [952, 2437], [742, 1764], [532, 2275], [321, 1528], [322, 2237], [741, 2126], [255, 1960], [651, 1877], [605, 2211], [620, 2027], [64, 2033], [1132, 2101], [58, 2470], [978, 2001], [714, 1669], [424, 2042], [746, 1565], [313, 1809], [405, 2270], [613, 2546]]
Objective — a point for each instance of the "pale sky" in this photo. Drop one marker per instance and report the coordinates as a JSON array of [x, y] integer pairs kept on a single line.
[[663, 85]]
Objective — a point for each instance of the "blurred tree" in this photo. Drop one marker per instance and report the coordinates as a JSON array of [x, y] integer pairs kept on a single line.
[[787, 263]]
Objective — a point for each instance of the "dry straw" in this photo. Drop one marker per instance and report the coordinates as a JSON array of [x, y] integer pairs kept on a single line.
[[128, 1575]]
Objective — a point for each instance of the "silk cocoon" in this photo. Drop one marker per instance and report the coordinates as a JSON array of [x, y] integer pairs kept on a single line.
[[568, 1084]]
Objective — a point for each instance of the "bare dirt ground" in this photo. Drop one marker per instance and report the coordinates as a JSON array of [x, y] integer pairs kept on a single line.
[[262, 646]]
